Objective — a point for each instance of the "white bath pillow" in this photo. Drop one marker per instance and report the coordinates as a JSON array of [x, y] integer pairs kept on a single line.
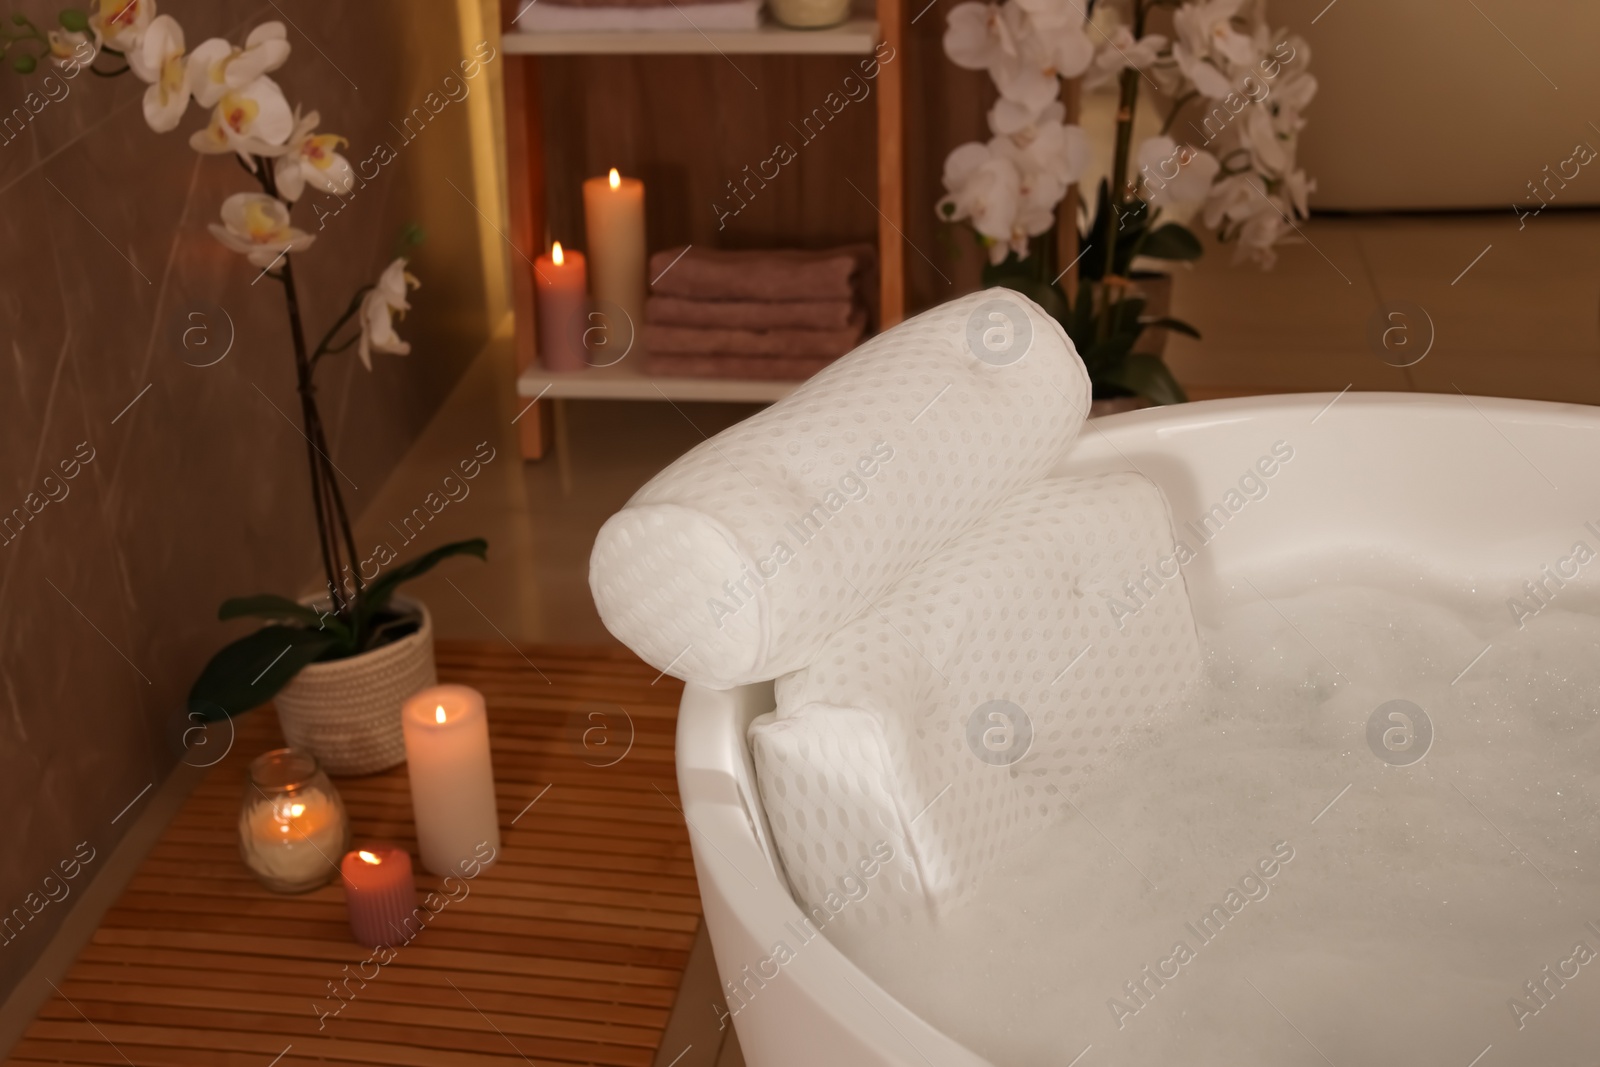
[[737, 561], [942, 723]]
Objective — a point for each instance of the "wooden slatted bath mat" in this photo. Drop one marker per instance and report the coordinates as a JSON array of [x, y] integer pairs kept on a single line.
[[568, 950]]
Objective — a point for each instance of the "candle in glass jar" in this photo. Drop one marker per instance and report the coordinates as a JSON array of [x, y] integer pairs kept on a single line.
[[561, 280], [613, 212], [290, 840], [379, 894], [452, 778]]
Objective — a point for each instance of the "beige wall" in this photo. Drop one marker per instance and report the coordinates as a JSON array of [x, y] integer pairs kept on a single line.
[[198, 491], [1426, 104]]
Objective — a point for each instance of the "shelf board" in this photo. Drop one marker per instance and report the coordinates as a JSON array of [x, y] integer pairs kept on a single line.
[[858, 36], [626, 381]]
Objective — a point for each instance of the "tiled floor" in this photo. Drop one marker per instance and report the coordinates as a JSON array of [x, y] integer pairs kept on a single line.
[[1513, 313]]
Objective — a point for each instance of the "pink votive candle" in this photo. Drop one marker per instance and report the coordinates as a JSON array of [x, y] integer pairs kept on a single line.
[[379, 893]]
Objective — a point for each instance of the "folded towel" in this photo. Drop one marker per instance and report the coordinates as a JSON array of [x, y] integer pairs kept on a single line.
[[749, 368], [765, 344], [751, 314], [710, 16], [775, 275]]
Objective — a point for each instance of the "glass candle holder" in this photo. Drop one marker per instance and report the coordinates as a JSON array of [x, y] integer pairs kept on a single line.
[[293, 829]]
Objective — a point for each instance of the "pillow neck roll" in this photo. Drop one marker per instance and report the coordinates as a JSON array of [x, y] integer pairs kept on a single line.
[[738, 561]]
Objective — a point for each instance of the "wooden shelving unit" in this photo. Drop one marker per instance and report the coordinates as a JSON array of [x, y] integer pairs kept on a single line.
[[527, 188]]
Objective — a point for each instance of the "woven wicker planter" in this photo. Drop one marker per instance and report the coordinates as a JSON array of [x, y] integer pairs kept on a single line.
[[347, 712]]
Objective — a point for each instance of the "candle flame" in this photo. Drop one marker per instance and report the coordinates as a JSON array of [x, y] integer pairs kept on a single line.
[[615, 179], [438, 714], [296, 810], [558, 259], [370, 857]]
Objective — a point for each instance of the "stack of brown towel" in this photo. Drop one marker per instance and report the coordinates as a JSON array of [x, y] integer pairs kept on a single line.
[[761, 314]]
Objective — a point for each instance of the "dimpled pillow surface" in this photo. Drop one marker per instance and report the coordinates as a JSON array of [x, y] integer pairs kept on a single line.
[[947, 722], [737, 561]]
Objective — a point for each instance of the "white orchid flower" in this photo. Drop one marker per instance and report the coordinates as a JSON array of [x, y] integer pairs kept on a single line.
[[1269, 153], [217, 66], [1233, 200], [1030, 88], [313, 159], [68, 47], [258, 226], [159, 60], [120, 24], [978, 36], [377, 313], [1290, 99], [1300, 186], [1057, 32], [1051, 150], [985, 188], [253, 121], [1207, 44], [1263, 232], [1175, 173], [1206, 30]]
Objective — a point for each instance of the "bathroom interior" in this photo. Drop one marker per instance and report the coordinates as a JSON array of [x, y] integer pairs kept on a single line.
[[799, 531]]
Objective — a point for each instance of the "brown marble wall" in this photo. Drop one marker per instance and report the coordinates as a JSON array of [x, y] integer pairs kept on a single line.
[[190, 480]]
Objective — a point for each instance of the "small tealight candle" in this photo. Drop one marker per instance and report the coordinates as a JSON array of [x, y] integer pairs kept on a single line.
[[379, 894], [452, 778], [613, 212], [561, 281]]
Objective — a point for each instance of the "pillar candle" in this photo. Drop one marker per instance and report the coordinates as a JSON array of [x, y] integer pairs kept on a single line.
[[613, 211], [452, 779], [561, 281], [379, 894]]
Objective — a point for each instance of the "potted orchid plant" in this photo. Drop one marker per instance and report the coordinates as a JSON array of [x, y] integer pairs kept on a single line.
[[340, 663], [1241, 88]]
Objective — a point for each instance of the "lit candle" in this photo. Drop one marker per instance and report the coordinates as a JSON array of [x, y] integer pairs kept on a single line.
[[291, 840], [561, 280], [452, 779], [613, 211], [379, 894]]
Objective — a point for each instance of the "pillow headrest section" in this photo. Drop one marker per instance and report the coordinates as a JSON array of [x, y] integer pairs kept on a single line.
[[948, 723], [737, 561]]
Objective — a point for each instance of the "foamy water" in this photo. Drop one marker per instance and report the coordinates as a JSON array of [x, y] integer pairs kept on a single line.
[[1396, 921]]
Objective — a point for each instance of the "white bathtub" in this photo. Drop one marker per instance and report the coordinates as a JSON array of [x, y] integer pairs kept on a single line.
[[1467, 490]]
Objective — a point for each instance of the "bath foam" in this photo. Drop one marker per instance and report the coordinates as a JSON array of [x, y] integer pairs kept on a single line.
[[737, 561], [948, 720], [1422, 904]]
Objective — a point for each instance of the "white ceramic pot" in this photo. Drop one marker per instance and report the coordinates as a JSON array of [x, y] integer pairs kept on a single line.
[[346, 712]]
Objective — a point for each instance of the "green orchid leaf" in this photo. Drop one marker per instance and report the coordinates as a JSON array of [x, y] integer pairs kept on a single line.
[[273, 607], [251, 671], [267, 606], [1168, 323], [1147, 376], [1171, 242], [74, 20], [376, 596], [23, 63], [1104, 357]]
